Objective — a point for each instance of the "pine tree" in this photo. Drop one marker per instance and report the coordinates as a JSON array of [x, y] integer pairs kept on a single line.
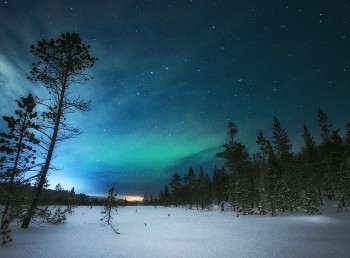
[[203, 188], [288, 183], [146, 199], [271, 185], [310, 173], [18, 153], [207, 192], [176, 188], [325, 127], [274, 175], [62, 63], [190, 186], [220, 185], [344, 184], [237, 160], [71, 201], [58, 217], [109, 209], [347, 140], [338, 170], [110, 206], [333, 156], [165, 197]]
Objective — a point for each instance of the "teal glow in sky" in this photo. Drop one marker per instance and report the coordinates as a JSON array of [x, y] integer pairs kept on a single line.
[[173, 73]]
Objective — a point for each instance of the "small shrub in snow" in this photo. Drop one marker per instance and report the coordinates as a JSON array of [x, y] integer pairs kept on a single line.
[[58, 217], [43, 213]]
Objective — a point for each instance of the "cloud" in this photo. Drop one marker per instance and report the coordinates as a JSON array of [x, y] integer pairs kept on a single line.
[[12, 84]]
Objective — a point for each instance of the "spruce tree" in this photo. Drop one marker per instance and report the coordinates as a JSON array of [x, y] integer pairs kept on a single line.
[[203, 193], [166, 196], [220, 185], [347, 140], [334, 159], [325, 127], [58, 217], [176, 188], [190, 187], [271, 185], [289, 183], [311, 174]]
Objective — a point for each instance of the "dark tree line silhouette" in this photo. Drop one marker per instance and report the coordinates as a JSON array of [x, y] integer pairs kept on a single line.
[[273, 179]]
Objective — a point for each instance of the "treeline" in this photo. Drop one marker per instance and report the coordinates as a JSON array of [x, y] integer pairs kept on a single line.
[[57, 196], [273, 179]]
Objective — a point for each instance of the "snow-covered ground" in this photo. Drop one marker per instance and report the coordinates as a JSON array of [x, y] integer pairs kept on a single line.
[[152, 232]]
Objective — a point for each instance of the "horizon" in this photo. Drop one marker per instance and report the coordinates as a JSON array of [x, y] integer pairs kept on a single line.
[[170, 77]]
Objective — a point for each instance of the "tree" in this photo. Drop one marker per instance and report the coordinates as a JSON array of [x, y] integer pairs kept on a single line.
[[110, 205], [285, 157], [311, 175], [333, 155], [176, 188], [220, 185], [58, 217], [204, 192], [325, 127], [347, 140], [109, 208], [18, 151], [146, 199], [272, 177], [238, 162], [281, 140], [190, 186], [227, 153], [62, 63], [166, 195]]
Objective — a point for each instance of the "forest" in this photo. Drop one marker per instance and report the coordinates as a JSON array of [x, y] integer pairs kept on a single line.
[[273, 179]]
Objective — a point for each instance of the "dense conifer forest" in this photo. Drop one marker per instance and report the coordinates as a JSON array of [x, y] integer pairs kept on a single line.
[[273, 179]]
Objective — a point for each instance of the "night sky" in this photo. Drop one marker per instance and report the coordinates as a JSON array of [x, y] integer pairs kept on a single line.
[[172, 74]]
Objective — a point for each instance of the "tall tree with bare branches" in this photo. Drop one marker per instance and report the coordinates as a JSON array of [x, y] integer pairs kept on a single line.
[[62, 64]]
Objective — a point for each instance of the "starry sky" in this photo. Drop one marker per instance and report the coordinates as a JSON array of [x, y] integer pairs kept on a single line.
[[172, 74]]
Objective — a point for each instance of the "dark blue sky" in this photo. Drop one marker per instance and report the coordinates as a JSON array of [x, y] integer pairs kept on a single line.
[[173, 73]]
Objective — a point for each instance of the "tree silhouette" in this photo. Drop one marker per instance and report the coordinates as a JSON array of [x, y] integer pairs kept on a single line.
[[62, 64], [17, 148]]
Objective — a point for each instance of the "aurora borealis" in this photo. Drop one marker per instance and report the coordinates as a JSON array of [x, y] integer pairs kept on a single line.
[[173, 73]]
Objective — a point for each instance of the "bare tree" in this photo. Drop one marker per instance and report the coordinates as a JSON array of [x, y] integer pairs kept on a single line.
[[62, 64]]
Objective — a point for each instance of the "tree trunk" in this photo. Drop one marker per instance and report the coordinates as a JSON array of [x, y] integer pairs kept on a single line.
[[13, 174], [45, 169], [319, 193]]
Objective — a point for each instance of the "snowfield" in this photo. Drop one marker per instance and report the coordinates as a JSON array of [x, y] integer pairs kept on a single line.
[[177, 232]]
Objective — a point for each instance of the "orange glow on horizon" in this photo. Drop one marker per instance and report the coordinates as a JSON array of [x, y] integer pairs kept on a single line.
[[132, 198]]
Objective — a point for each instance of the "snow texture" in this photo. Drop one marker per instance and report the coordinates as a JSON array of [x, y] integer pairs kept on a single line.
[[177, 232]]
